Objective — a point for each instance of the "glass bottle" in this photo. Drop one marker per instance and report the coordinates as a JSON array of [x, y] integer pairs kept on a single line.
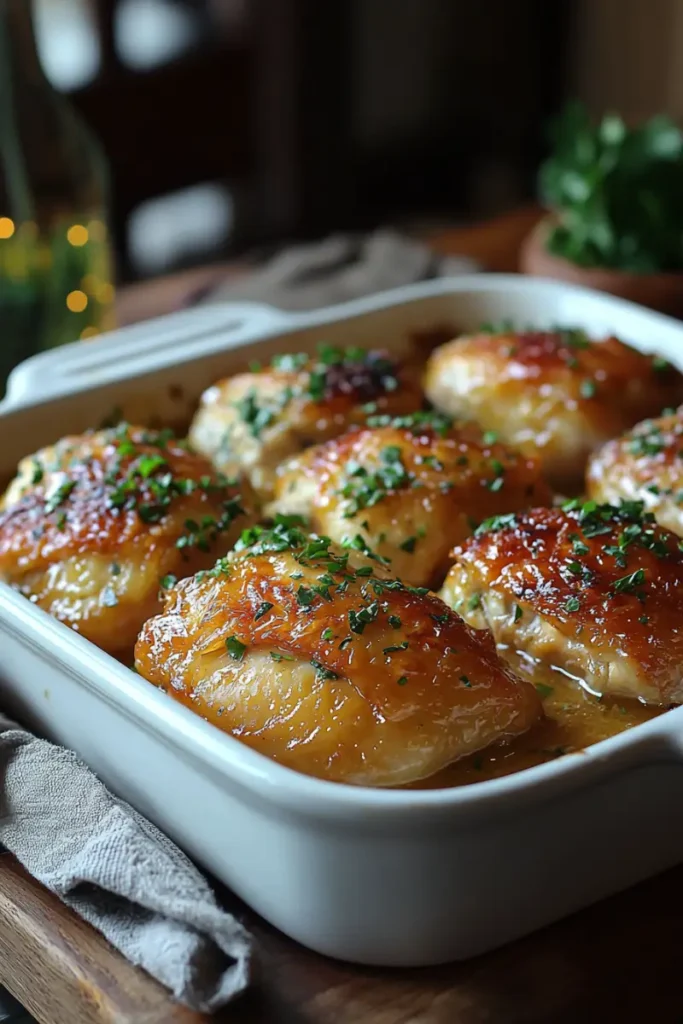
[[55, 259]]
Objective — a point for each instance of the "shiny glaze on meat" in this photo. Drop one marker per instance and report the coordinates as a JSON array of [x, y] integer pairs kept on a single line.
[[363, 681], [90, 526], [645, 465], [574, 720], [555, 393], [592, 591], [409, 492], [253, 421]]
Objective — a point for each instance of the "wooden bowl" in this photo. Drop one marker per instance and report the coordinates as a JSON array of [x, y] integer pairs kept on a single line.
[[663, 292]]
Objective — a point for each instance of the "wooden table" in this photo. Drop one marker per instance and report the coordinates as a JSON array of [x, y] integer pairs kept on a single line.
[[616, 962]]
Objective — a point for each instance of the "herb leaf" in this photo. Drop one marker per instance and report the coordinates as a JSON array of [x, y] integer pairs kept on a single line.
[[235, 647], [590, 180]]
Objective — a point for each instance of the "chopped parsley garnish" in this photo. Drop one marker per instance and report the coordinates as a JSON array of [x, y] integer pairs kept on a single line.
[[278, 656], [322, 672], [643, 620], [359, 620], [660, 364], [490, 437], [544, 690], [235, 647], [148, 486], [648, 441], [465, 681], [59, 495], [474, 602], [587, 389], [327, 634], [257, 417], [168, 581], [578, 547], [396, 647], [345, 369], [416, 422], [364, 488], [115, 569], [262, 610], [305, 596], [572, 604], [286, 533], [497, 327], [61, 520], [394, 621], [402, 681], [628, 584], [291, 362], [574, 337], [38, 472], [519, 612], [149, 464], [507, 521], [409, 544]]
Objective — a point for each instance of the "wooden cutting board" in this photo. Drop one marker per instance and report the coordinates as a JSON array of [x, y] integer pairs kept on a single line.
[[618, 961]]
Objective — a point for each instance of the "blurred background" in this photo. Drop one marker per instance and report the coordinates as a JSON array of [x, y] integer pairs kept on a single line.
[[142, 137], [233, 123]]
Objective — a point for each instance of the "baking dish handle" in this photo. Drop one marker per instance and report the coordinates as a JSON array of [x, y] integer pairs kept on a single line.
[[151, 345]]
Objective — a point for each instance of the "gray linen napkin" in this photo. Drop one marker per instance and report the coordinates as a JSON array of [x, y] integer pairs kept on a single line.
[[339, 268], [118, 872], [95, 852]]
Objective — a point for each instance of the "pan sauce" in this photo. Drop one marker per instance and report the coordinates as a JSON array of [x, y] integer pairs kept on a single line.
[[575, 719]]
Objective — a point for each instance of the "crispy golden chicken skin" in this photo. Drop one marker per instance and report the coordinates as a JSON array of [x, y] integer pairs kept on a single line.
[[412, 489], [313, 656], [592, 591], [645, 465], [89, 527], [556, 393], [252, 421]]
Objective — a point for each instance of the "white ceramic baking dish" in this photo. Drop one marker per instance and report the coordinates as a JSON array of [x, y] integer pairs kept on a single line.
[[381, 877]]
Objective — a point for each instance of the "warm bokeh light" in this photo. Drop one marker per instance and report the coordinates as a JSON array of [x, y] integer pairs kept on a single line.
[[6, 227], [89, 332], [77, 301], [105, 293], [77, 235]]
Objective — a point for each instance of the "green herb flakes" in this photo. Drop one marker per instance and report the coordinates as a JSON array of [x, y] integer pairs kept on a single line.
[[235, 647], [544, 690], [262, 610]]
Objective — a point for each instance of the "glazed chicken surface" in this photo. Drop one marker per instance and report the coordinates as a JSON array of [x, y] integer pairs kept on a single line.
[[253, 421], [557, 394], [412, 487], [644, 465], [313, 655], [594, 592], [92, 526]]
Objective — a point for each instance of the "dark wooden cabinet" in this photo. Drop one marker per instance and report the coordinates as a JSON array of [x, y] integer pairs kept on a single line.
[[336, 115]]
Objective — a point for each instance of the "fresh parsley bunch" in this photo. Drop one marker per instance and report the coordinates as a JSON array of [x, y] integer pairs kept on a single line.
[[616, 192]]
